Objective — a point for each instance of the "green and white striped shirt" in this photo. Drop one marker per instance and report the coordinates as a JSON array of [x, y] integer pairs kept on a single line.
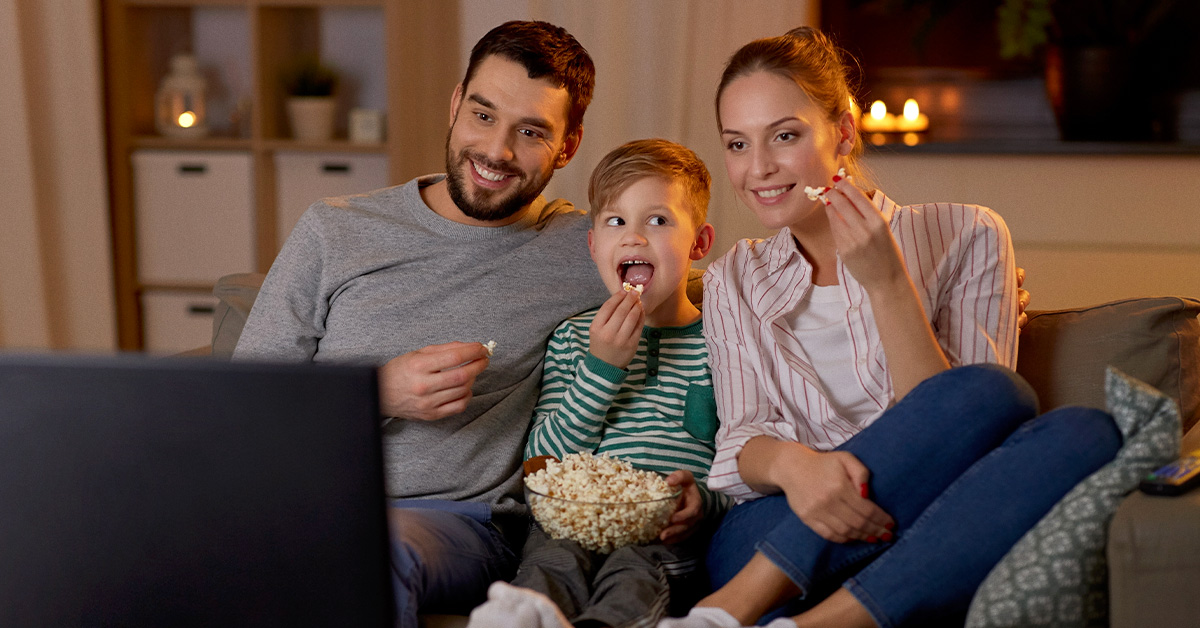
[[658, 413]]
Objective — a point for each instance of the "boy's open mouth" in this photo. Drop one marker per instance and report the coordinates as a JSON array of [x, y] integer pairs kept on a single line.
[[635, 271]]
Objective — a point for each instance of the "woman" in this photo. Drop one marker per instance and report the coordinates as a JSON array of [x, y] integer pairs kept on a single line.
[[877, 486]]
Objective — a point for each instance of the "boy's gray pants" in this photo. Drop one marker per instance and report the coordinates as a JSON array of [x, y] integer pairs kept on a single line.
[[634, 586]]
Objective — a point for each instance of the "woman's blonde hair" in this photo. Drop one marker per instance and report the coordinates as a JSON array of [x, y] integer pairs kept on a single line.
[[811, 59]]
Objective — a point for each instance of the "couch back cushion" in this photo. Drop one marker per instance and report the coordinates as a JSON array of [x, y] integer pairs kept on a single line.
[[1063, 353]]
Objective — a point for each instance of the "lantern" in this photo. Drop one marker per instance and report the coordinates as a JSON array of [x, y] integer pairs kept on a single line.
[[179, 104]]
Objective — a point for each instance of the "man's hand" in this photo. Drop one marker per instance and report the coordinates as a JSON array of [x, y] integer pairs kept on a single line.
[[688, 512], [617, 328], [1023, 298], [430, 383]]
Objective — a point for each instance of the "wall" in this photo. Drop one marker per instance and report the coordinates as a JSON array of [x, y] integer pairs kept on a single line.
[[55, 257]]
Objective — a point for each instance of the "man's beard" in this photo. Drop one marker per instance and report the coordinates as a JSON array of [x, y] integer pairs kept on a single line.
[[488, 205]]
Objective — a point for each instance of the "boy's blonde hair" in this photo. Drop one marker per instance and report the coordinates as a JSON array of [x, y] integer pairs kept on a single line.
[[639, 159]]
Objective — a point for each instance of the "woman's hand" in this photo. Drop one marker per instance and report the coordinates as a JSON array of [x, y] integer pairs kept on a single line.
[[828, 491], [862, 236], [688, 512], [617, 328]]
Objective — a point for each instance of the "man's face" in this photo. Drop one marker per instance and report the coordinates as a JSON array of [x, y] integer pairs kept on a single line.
[[507, 136]]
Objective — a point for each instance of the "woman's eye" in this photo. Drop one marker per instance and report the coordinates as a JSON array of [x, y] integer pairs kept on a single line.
[[785, 136], [614, 221], [736, 145]]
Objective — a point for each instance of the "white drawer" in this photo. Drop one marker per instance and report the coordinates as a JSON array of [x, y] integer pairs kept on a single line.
[[304, 178], [173, 322], [195, 215]]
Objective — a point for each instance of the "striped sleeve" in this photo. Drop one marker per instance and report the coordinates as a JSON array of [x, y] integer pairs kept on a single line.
[[744, 408], [976, 318], [577, 391]]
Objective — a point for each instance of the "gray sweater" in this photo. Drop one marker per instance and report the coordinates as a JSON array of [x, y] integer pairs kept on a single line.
[[365, 278]]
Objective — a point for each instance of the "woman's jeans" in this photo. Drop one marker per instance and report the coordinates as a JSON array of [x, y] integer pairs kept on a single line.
[[965, 467]]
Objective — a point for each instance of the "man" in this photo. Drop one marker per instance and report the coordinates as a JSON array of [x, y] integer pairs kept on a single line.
[[416, 277]]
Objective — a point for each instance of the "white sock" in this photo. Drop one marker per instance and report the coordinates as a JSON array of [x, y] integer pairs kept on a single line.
[[703, 617], [508, 607], [781, 622]]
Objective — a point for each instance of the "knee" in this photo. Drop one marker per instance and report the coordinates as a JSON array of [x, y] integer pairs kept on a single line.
[[992, 385], [1089, 434]]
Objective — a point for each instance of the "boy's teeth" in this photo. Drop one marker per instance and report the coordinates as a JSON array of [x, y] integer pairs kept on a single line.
[[488, 174]]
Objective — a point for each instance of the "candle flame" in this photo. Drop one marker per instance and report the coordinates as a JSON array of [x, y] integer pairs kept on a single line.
[[187, 119], [878, 110], [911, 111]]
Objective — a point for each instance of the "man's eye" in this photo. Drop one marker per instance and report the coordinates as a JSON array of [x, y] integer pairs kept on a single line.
[[614, 221], [483, 117], [530, 133]]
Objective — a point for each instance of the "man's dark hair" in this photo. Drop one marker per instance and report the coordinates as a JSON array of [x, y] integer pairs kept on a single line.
[[545, 51]]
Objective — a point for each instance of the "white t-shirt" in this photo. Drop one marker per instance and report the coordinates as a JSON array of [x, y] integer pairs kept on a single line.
[[819, 324]]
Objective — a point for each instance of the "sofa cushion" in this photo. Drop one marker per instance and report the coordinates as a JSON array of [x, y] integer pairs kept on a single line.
[[235, 297], [1063, 353], [1056, 574]]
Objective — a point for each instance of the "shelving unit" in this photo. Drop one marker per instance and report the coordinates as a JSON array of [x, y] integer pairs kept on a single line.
[[400, 56]]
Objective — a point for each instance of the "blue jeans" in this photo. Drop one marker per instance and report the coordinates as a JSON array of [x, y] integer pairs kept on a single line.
[[965, 467], [444, 556]]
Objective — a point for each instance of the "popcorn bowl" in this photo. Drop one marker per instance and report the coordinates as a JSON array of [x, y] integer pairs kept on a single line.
[[602, 526]]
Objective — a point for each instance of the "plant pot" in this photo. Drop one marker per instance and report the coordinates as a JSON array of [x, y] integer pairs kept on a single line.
[[1102, 94], [311, 117]]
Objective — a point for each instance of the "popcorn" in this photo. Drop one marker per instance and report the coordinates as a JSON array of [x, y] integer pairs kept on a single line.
[[819, 193], [601, 503], [490, 346], [628, 287]]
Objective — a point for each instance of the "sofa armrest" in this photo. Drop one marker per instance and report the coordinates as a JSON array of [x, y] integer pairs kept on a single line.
[[235, 294]]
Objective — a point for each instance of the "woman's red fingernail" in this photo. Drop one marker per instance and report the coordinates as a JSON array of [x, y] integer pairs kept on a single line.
[[891, 525], [836, 178], [871, 539], [863, 486], [887, 536]]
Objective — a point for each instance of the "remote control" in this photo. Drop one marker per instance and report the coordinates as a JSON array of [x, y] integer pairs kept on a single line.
[[1174, 479]]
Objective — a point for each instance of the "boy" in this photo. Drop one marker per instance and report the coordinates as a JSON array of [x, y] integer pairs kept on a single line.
[[631, 380]]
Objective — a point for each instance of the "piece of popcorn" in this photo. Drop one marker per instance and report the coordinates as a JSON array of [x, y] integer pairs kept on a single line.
[[490, 346], [628, 287], [815, 193]]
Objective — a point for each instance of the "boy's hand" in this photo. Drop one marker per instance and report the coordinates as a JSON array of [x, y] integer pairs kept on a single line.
[[688, 512], [617, 329]]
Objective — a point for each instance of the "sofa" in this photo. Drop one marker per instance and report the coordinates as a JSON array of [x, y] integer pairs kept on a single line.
[[1153, 542]]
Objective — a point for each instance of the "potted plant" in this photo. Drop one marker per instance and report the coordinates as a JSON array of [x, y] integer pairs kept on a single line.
[[1111, 66], [310, 85]]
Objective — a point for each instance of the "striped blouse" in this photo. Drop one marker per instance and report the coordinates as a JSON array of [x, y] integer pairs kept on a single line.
[[960, 259], [658, 413]]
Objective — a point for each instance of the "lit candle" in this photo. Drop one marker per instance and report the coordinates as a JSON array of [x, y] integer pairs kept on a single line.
[[187, 119], [913, 119], [878, 120]]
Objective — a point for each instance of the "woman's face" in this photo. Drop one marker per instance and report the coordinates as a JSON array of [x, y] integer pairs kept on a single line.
[[776, 143]]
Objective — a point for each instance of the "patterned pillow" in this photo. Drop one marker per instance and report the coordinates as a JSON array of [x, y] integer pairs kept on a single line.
[[1056, 574]]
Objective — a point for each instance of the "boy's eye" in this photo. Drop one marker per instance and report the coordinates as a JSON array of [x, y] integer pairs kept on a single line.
[[657, 220], [614, 221]]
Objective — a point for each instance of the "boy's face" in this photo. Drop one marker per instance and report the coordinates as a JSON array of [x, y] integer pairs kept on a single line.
[[646, 236]]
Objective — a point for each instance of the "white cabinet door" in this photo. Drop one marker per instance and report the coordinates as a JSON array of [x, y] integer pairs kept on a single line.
[[175, 322], [304, 178], [194, 215]]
